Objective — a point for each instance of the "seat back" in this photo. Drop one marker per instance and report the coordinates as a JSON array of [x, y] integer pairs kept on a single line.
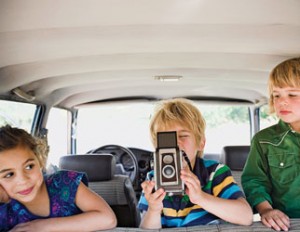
[[235, 158], [209, 156], [116, 190]]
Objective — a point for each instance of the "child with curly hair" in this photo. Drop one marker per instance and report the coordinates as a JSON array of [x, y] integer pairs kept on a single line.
[[38, 202]]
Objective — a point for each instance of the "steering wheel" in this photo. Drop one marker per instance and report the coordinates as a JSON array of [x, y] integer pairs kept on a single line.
[[132, 171]]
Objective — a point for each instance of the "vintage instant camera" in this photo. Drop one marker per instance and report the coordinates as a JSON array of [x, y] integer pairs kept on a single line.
[[168, 163]]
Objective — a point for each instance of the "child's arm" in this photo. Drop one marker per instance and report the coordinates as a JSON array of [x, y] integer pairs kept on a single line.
[[97, 215], [273, 218], [235, 211], [151, 219]]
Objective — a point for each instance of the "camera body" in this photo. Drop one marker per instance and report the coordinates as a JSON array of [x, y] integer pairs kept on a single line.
[[168, 163]]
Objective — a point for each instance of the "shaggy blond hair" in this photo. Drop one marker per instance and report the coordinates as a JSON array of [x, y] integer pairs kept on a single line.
[[178, 111], [284, 74]]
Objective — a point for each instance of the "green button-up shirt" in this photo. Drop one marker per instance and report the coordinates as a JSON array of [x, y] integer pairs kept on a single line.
[[272, 170]]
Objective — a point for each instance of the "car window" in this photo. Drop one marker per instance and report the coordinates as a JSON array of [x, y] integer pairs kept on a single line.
[[17, 114], [265, 118], [225, 125], [125, 124], [57, 126], [128, 125]]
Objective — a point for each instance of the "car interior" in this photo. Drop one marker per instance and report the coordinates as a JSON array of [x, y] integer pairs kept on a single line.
[[117, 190], [86, 76]]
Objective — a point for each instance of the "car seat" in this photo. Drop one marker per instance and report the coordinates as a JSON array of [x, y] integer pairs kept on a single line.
[[235, 158], [116, 190]]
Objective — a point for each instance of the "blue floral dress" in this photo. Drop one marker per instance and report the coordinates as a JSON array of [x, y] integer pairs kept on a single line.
[[62, 188]]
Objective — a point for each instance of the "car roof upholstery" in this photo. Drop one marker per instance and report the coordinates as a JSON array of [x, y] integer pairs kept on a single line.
[[67, 52]]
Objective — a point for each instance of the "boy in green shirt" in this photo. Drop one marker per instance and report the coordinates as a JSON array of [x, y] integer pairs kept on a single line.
[[271, 177]]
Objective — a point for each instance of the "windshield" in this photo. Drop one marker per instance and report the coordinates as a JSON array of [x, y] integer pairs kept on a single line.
[[127, 124]]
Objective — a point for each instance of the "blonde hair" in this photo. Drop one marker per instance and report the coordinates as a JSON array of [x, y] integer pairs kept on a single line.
[[12, 137], [284, 74], [180, 111]]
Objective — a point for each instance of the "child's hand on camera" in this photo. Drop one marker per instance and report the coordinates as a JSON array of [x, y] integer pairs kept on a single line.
[[154, 199], [193, 185], [4, 198]]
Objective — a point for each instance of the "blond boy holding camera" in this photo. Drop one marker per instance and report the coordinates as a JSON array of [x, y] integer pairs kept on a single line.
[[211, 194]]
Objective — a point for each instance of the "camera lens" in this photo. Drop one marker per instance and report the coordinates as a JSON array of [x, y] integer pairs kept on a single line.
[[168, 159], [168, 171]]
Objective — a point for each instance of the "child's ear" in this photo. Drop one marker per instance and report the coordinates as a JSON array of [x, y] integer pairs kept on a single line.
[[202, 144]]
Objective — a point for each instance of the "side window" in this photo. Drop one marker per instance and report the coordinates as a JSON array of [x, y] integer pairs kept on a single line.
[[265, 118], [57, 125], [10, 114]]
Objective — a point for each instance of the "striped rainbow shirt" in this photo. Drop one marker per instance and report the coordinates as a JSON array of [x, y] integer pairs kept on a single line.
[[178, 211]]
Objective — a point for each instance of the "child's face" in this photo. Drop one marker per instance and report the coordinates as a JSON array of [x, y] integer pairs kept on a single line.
[[287, 105], [186, 141], [20, 174]]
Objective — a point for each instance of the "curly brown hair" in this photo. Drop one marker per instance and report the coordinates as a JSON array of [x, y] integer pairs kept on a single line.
[[12, 137]]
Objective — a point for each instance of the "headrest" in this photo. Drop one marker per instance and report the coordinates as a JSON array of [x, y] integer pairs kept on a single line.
[[98, 167], [235, 156]]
